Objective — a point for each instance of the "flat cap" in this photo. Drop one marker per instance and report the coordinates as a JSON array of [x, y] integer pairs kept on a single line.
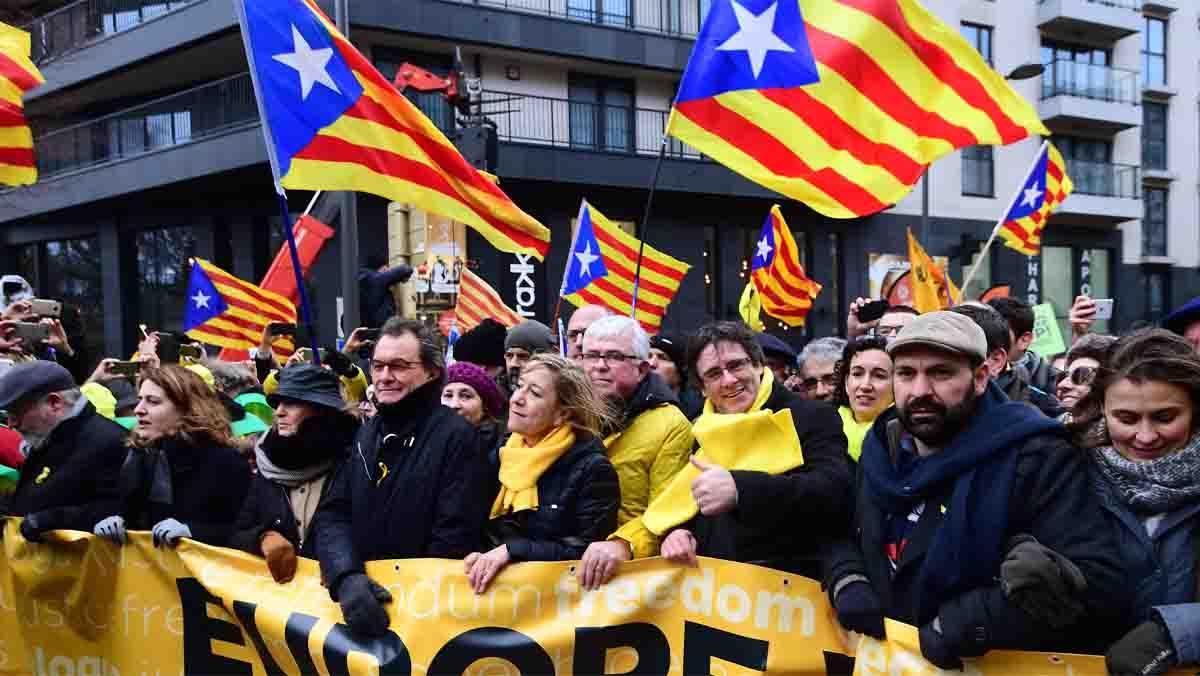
[[943, 330], [33, 379]]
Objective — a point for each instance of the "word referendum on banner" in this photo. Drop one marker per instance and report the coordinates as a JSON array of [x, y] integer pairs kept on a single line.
[[79, 605]]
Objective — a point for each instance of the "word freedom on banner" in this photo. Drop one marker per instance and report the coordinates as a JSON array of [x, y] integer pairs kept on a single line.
[[80, 605]]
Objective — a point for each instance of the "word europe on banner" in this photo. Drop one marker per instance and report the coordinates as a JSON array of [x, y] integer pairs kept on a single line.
[[79, 605]]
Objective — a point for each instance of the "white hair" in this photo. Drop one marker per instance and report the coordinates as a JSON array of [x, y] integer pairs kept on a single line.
[[823, 349], [615, 326]]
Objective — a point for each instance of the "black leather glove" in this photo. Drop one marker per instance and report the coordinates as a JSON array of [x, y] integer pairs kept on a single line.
[[1046, 585], [858, 609], [937, 648], [33, 526], [339, 363], [1146, 650], [362, 605]]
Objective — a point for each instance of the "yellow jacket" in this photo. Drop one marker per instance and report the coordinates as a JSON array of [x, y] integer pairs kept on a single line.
[[647, 455]]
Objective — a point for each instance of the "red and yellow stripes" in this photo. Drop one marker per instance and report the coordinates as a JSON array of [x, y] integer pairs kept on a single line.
[[898, 89], [784, 289], [251, 308], [1025, 234], [477, 300], [17, 76], [384, 145], [660, 277]]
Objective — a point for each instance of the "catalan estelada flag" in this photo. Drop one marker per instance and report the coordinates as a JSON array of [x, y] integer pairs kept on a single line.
[[1044, 190], [477, 300], [932, 288], [333, 122], [230, 312], [601, 266], [17, 76], [840, 104], [786, 293]]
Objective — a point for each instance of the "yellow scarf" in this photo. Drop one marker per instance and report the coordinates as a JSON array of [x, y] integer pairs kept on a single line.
[[855, 431], [521, 466], [757, 440]]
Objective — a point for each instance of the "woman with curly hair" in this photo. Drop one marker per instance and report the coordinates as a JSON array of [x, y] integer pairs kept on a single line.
[[864, 388], [555, 491], [182, 477]]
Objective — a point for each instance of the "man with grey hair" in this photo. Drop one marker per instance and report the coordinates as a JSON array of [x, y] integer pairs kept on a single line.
[[818, 360], [651, 442], [73, 454], [414, 484]]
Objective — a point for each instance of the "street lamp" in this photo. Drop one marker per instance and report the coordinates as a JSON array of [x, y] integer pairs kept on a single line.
[[1025, 71]]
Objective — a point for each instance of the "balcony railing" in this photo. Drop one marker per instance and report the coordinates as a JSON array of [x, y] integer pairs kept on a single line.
[[1105, 83], [190, 115], [582, 125], [669, 17], [1104, 179], [1135, 5], [73, 27]]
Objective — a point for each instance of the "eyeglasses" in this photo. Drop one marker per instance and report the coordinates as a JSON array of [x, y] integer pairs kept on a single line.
[[609, 358], [734, 367], [400, 366], [1083, 375], [826, 380]]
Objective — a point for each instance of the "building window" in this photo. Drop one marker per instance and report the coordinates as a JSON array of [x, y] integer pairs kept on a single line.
[[1154, 136], [432, 104], [1154, 225], [69, 271], [1154, 52], [980, 38], [601, 113], [607, 12], [1089, 164], [1158, 294], [978, 172], [1077, 70], [163, 270]]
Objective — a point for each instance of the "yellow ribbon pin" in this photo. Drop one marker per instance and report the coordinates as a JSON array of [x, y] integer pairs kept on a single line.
[[41, 478], [383, 472]]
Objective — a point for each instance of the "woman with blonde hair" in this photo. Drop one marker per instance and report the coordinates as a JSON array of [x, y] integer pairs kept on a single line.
[[555, 491], [182, 476]]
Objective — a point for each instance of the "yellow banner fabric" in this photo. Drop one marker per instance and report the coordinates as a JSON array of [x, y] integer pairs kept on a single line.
[[78, 605]]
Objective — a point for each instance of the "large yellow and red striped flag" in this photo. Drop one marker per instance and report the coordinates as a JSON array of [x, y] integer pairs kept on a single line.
[[230, 312], [1044, 190], [601, 266], [932, 288], [785, 291], [17, 76], [477, 301], [333, 122], [840, 104]]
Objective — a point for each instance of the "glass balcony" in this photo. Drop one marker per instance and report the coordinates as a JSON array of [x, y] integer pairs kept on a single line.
[[1090, 81], [73, 27], [1103, 179], [680, 18]]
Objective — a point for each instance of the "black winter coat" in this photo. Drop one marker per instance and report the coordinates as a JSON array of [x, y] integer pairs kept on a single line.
[[430, 502], [208, 486], [71, 481], [578, 497], [785, 520], [1052, 501]]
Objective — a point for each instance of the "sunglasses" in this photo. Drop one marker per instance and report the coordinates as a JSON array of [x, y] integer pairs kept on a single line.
[[1084, 375]]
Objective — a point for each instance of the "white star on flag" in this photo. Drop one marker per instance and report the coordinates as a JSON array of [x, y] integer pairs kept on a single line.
[[201, 300], [764, 249], [1031, 196], [586, 258], [756, 36], [311, 64]]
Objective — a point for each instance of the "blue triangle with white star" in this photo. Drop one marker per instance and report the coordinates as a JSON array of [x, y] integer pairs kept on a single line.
[[585, 264], [764, 247], [1033, 193], [749, 44], [203, 300]]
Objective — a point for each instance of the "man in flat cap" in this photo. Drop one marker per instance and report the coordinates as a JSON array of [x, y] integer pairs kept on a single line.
[[73, 454], [953, 482]]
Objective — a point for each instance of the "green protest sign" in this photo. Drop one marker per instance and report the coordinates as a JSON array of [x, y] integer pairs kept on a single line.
[[1047, 338]]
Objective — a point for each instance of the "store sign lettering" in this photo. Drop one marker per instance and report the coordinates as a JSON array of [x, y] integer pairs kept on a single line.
[[526, 289]]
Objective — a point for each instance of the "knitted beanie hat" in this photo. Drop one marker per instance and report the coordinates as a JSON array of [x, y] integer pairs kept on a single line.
[[470, 374]]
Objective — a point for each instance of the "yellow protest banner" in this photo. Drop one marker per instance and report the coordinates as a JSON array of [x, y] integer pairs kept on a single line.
[[78, 605]]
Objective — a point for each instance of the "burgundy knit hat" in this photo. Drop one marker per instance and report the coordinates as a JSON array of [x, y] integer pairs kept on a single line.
[[479, 380]]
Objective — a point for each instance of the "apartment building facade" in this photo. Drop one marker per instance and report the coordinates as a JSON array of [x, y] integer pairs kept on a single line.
[[151, 153]]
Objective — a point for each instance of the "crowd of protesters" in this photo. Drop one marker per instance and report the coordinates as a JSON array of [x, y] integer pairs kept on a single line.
[[931, 468]]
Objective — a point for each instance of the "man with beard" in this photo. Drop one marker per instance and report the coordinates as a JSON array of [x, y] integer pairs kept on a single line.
[[947, 478], [72, 453], [651, 440], [413, 486]]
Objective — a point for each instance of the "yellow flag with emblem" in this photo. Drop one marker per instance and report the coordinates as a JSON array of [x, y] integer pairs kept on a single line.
[[932, 288]]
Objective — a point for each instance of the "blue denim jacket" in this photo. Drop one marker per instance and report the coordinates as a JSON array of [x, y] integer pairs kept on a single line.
[[1162, 567]]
